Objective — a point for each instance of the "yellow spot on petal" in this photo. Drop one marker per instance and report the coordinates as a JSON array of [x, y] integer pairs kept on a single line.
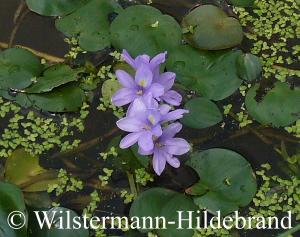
[[142, 83], [151, 119]]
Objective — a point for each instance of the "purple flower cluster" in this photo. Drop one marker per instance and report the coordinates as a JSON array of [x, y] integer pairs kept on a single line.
[[150, 97]]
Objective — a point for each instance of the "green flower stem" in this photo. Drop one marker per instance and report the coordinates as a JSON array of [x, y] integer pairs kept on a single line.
[[290, 232], [132, 186]]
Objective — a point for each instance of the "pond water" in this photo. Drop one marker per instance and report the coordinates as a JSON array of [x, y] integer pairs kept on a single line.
[[256, 143]]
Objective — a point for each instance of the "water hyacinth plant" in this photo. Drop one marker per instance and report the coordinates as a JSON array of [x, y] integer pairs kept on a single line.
[[147, 113]]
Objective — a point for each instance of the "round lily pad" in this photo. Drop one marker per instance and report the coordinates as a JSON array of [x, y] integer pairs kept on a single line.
[[249, 67], [90, 24], [211, 28], [203, 113], [54, 7], [227, 181], [17, 68], [212, 74], [279, 107], [160, 202], [145, 30]]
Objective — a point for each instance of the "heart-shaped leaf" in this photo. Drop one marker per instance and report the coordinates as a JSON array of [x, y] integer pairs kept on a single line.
[[203, 113], [211, 74], [145, 30], [211, 28], [54, 7], [159, 202], [53, 77], [249, 67], [279, 107], [11, 200], [226, 181], [17, 68], [90, 24]]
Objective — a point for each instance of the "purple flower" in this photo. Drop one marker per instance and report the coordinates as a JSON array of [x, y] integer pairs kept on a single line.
[[166, 80], [166, 147], [143, 122], [138, 87]]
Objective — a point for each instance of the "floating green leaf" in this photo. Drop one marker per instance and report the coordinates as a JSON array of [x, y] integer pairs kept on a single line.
[[249, 67], [212, 29], [157, 202], [211, 74], [279, 107], [66, 98], [203, 113], [11, 200], [144, 29], [17, 68], [21, 169], [90, 24], [226, 181], [242, 3], [53, 77], [54, 7]]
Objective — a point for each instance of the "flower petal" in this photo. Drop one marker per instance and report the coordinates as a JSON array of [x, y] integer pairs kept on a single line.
[[145, 153], [172, 97], [164, 109], [157, 131], [129, 140], [146, 142], [174, 115], [141, 59], [156, 90], [143, 76], [125, 79], [177, 146], [137, 107], [173, 161], [171, 131], [130, 124], [128, 59], [167, 80], [123, 96], [159, 161], [158, 59]]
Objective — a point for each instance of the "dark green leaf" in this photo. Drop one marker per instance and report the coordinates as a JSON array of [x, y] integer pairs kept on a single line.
[[53, 77], [211, 74], [17, 68], [90, 24], [66, 98], [54, 7], [242, 3], [227, 178], [202, 113], [211, 28], [279, 107], [11, 199], [249, 67], [158, 202], [145, 30]]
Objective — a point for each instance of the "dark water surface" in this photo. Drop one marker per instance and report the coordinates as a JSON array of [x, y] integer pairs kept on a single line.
[[39, 33]]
